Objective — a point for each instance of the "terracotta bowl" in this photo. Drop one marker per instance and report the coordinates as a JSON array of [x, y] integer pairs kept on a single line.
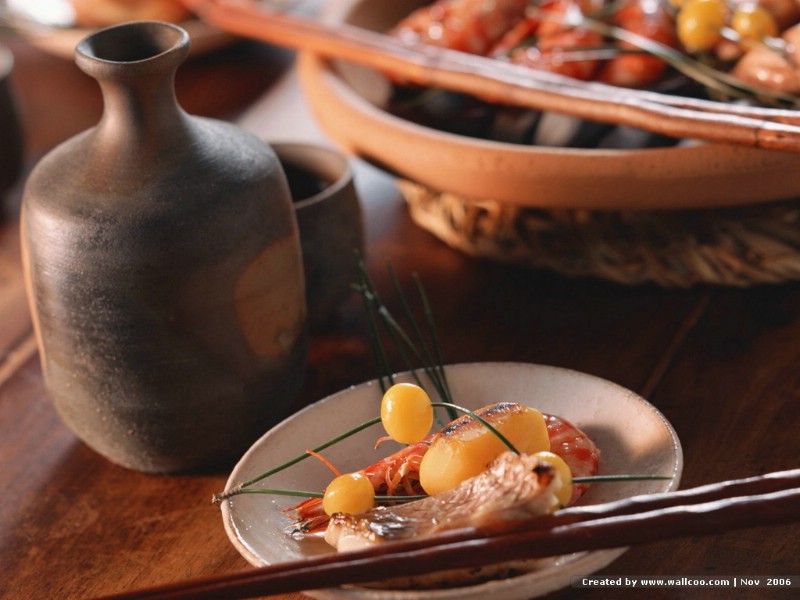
[[350, 103]]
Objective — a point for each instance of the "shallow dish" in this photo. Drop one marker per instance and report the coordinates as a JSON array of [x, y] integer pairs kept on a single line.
[[349, 102], [633, 436]]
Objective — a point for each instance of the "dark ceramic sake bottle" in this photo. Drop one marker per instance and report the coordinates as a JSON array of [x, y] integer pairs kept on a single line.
[[164, 269]]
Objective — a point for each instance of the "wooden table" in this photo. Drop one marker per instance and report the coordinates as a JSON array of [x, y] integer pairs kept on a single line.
[[722, 364]]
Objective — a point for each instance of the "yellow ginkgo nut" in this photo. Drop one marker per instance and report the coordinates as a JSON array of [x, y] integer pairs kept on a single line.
[[699, 24], [349, 493], [754, 22], [406, 413]]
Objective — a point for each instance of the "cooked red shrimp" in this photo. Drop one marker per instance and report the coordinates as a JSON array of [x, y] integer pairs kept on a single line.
[[576, 448], [557, 42], [516, 37], [548, 40], [560, 53], [634, 67], [398, 473], [468, 25], [558, 15], [543, 19], [547, 35]]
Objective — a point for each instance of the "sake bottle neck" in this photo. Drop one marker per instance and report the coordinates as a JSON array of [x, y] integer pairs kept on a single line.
[[135, 66]]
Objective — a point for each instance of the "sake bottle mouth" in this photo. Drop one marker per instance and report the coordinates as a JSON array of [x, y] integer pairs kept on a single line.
[[133, 43]]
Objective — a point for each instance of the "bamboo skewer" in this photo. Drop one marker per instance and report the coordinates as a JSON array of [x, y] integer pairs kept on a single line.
[[768, 500], [502, 82]]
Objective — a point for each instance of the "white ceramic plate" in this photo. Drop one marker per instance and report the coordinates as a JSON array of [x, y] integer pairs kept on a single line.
[[633, 436], [349, 102]]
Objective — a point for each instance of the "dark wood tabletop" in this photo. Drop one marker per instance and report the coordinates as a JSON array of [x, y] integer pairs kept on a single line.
[[722, 364]]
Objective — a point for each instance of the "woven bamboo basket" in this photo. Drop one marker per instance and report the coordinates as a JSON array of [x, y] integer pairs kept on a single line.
[[736, 246]]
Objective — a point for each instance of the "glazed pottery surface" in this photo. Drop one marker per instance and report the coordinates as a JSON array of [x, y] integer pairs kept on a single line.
[[164, 269]]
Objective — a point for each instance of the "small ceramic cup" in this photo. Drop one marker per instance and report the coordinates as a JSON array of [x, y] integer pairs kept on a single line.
[[11, 144], [330, 222]]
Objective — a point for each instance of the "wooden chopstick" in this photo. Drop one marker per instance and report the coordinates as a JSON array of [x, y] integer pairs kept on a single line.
[[713, 509], [501, 82]]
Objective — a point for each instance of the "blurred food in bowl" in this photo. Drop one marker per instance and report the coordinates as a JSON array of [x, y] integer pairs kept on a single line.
[[359, 108], [638, 44], [745, 49]]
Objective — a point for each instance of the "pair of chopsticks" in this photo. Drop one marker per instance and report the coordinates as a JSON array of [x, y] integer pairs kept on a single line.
[[712, 509], [502, 82]]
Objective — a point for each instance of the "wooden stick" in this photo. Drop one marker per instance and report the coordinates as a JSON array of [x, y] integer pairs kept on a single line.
[[769, 500], [501, 82]]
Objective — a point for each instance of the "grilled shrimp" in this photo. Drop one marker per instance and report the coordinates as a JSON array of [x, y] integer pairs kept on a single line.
[[576, 448], [558, 43], [634, 67], [548, 39], [547, 35], [472, 26], [398, 473], [564, 52]]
